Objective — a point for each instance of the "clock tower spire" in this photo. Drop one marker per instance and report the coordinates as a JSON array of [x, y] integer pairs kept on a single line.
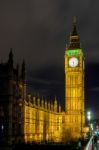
[[74, 39]]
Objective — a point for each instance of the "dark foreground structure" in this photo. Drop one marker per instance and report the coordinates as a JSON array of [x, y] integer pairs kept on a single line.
[[69, 146], [39, 146]]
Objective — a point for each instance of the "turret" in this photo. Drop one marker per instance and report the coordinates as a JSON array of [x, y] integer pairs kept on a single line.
[[29, 98], [10, 72], [10, 60], [48, 105], [51, 106], [45, 104], [23, 71], [59, 108], [17, 68], [38, 101], [55, 104], [42, 102], [34, 100]]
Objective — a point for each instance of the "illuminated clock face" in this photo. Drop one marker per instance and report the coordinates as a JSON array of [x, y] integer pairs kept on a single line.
[[73, 62]]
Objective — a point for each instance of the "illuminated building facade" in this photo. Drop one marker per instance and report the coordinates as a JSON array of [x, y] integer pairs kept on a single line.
[[28, 118], [42, 120]]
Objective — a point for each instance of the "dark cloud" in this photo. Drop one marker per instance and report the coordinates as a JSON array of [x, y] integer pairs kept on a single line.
[[41, 28], [38, 31]]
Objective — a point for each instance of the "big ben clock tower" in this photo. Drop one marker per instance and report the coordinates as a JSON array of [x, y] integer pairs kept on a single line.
[[74, 85]]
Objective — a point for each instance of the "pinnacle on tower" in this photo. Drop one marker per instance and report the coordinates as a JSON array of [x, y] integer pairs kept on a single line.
[[74, 31], [17, 68], [10, 60], [23, 70]]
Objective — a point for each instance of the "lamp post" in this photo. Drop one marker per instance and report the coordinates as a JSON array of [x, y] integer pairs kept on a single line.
[[89, 118]]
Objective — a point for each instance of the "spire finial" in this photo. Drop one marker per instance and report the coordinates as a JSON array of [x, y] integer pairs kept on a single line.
[[74, 20], [74, 30]]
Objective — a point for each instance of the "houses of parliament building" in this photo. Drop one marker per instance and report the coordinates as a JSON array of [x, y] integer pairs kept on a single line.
[[27, 118]]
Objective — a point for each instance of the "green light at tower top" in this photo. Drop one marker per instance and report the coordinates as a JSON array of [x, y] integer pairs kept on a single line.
[[73, 52]]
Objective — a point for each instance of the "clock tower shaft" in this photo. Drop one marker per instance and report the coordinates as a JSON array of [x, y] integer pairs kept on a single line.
[[74, 86]]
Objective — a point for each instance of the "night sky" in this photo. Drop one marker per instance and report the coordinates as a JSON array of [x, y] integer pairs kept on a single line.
[[38, 31]]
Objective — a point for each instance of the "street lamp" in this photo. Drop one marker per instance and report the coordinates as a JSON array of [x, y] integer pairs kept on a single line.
[[89, 118]]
